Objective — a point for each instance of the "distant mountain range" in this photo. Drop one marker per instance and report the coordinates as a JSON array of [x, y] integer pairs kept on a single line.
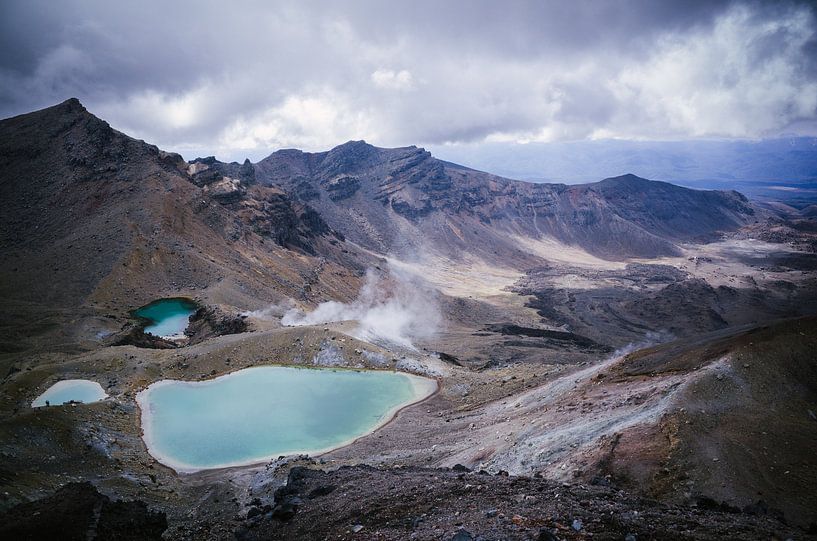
[[780, 168], [398, 199]]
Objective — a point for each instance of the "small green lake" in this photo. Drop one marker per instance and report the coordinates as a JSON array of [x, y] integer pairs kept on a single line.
[[168, 317], [259, 413]]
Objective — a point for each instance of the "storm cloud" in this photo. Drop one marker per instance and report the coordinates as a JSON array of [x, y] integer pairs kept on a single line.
[[246, 78]]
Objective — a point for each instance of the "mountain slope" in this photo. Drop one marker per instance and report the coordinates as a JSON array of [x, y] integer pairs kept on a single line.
[[387, 199], [741, 430], [94, 222]]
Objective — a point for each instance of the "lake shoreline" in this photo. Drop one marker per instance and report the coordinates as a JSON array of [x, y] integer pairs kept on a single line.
[[422, 387]]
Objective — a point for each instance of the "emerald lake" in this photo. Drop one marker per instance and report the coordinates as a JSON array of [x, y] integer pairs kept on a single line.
[[168, 318], [259, 413]]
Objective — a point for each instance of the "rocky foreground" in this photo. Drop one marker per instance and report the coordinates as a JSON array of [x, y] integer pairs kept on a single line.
[[363, 502], [462, 505], [79, 511]]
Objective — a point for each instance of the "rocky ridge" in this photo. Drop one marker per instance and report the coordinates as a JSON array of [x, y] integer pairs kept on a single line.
[[379, 196]]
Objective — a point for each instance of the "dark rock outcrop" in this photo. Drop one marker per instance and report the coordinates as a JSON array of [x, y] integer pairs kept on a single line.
[[136, 336], [342, 187], [567, 338], [77, 511], [265, 210], [210, 321]]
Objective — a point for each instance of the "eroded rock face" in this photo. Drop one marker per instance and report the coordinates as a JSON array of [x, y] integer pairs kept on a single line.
[[227, 189], [208, 170], [265, 210], [272, 214], [77, 511], [342, 187]]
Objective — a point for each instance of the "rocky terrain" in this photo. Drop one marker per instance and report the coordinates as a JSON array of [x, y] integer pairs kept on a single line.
[[462, 505], [624, 359], [78, 511]]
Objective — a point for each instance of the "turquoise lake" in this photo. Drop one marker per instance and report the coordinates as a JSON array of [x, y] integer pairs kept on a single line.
[[78, 390], [168, 317], [259, 413]]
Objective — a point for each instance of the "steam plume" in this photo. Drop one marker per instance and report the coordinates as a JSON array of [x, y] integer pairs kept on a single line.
[[397, 308]]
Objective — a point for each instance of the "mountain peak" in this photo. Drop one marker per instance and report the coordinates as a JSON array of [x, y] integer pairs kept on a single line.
[[354, 148], [68, 109], [71, 108], [362, 148], [361, 143], [72, 104], [350, 156], [40, 128], [627, 178]]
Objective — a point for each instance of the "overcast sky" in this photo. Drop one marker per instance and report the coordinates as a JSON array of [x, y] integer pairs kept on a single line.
[[239, 79]]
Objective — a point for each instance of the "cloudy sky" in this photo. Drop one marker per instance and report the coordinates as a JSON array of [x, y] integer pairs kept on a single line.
[[240, 79]]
